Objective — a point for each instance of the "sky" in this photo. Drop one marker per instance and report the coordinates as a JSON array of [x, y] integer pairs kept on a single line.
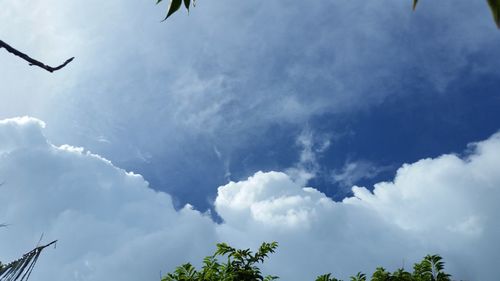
[[354, 133]]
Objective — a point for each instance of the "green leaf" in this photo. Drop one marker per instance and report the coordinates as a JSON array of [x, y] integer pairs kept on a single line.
[[326, 277], [359, 277], [415, 2], [187, 3], [495, 10], [174, 6]]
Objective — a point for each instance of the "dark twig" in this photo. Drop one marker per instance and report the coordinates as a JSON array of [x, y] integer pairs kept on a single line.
[[32, 61]]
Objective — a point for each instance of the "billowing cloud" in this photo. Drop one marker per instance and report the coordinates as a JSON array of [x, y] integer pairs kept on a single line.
[[106, 220], [111, 224], [446, 205], [157, 97]]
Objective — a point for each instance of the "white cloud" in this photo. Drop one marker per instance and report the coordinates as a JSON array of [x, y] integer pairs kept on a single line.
[[446, 205], [224, 71], [111, 225], [312, 145], [135, 93], [354, 171], [106, 220]]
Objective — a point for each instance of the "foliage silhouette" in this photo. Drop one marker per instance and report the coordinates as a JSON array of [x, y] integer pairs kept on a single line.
[[241, 265], [175, 5]]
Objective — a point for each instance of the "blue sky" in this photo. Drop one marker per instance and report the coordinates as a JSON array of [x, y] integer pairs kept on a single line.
[[433, 99], [333, 94]]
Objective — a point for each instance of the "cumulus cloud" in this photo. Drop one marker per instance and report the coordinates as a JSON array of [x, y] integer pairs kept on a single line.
[[226, 73], [111, 224], [106, 220], [446, 205]]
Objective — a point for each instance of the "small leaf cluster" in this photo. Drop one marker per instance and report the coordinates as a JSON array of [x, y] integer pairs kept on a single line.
[[431, 268], [240, 265], [494, 7], [175, 5], [495, 10]]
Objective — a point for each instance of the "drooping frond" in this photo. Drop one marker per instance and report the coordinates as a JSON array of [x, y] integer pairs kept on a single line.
[[495, 10], [20, 270]]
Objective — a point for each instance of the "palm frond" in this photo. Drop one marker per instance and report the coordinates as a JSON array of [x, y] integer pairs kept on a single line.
[[20, 270]]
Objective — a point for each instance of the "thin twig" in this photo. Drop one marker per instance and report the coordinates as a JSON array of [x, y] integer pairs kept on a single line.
[[32, 61]]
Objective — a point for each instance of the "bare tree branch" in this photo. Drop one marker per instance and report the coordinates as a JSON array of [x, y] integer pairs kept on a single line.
[[32, 61]]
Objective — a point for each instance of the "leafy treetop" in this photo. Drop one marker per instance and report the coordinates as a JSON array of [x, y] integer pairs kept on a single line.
[[241, 265]]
